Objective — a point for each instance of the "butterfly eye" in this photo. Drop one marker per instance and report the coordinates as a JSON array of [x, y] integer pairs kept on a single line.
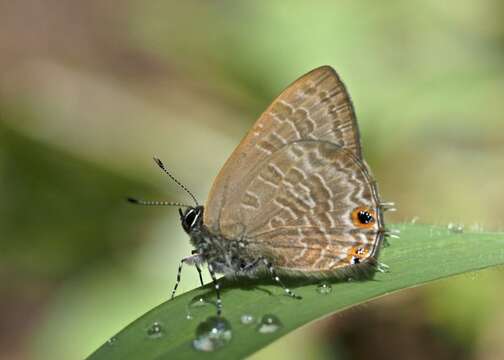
[[190, 219], [363, 217]]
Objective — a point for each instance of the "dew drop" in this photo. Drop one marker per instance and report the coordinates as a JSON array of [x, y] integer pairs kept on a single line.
[[155, 331], [324, 288], [269, 324], [456, 228], [198, 302], [212, 334], [246, 319], [196, 306], [112, 340]]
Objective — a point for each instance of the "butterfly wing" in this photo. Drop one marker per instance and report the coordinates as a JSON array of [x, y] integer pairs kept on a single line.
[[315, 109], [300, 208]]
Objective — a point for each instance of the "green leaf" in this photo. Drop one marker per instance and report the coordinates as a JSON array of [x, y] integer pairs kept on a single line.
[[422, 254]]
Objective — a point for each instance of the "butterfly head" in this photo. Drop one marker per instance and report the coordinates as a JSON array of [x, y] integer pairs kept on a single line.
[[191, 218]]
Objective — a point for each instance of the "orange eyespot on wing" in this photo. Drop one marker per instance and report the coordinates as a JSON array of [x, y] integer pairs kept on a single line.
[[363, 218], [356, 254]]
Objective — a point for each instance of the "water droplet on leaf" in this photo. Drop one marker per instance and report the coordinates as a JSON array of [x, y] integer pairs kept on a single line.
[[456, 228], [212, 334], [269, 324], [324, 288], [196, 306], [198, 301], [155, 330], [246, 319]]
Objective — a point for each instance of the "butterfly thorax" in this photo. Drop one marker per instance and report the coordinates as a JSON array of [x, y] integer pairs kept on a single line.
[[226, 256]]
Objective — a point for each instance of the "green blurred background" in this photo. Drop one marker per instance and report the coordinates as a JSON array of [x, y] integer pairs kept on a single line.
[[90, 90]]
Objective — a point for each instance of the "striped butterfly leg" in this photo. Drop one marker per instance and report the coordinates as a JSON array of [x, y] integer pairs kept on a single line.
[[198, 268], [217, 289], [194, 259], [275, 277], [199, 274]]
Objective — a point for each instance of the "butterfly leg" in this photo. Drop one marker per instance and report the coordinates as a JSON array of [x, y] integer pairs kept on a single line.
[[198, 268], [194, 259], [199, 273], [275, 277], [217, 289]]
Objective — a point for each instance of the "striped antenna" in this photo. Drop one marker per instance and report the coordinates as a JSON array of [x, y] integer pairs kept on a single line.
[[155, 203], [161, 165]]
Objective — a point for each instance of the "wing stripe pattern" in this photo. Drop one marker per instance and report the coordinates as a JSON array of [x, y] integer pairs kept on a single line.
[[294, 180]]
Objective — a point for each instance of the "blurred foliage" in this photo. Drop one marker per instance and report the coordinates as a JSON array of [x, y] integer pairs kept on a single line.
[[90, 90], [61, 214]]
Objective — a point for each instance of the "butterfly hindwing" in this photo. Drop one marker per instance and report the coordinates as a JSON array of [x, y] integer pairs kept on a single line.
[[298, 208]]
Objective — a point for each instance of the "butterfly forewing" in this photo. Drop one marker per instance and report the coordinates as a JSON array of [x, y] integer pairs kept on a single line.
[[316, 106], [290, 187]]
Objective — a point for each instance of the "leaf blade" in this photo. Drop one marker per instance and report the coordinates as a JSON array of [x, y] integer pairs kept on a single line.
[[423, 254]]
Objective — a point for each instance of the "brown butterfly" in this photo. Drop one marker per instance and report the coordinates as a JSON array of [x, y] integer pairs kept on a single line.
[[295, 198]]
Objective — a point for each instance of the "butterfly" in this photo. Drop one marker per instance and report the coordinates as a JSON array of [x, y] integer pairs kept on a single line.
[[295, 198]]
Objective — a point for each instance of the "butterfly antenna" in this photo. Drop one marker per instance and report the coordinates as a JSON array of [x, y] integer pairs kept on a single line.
[[155, 202], [161, 165]]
